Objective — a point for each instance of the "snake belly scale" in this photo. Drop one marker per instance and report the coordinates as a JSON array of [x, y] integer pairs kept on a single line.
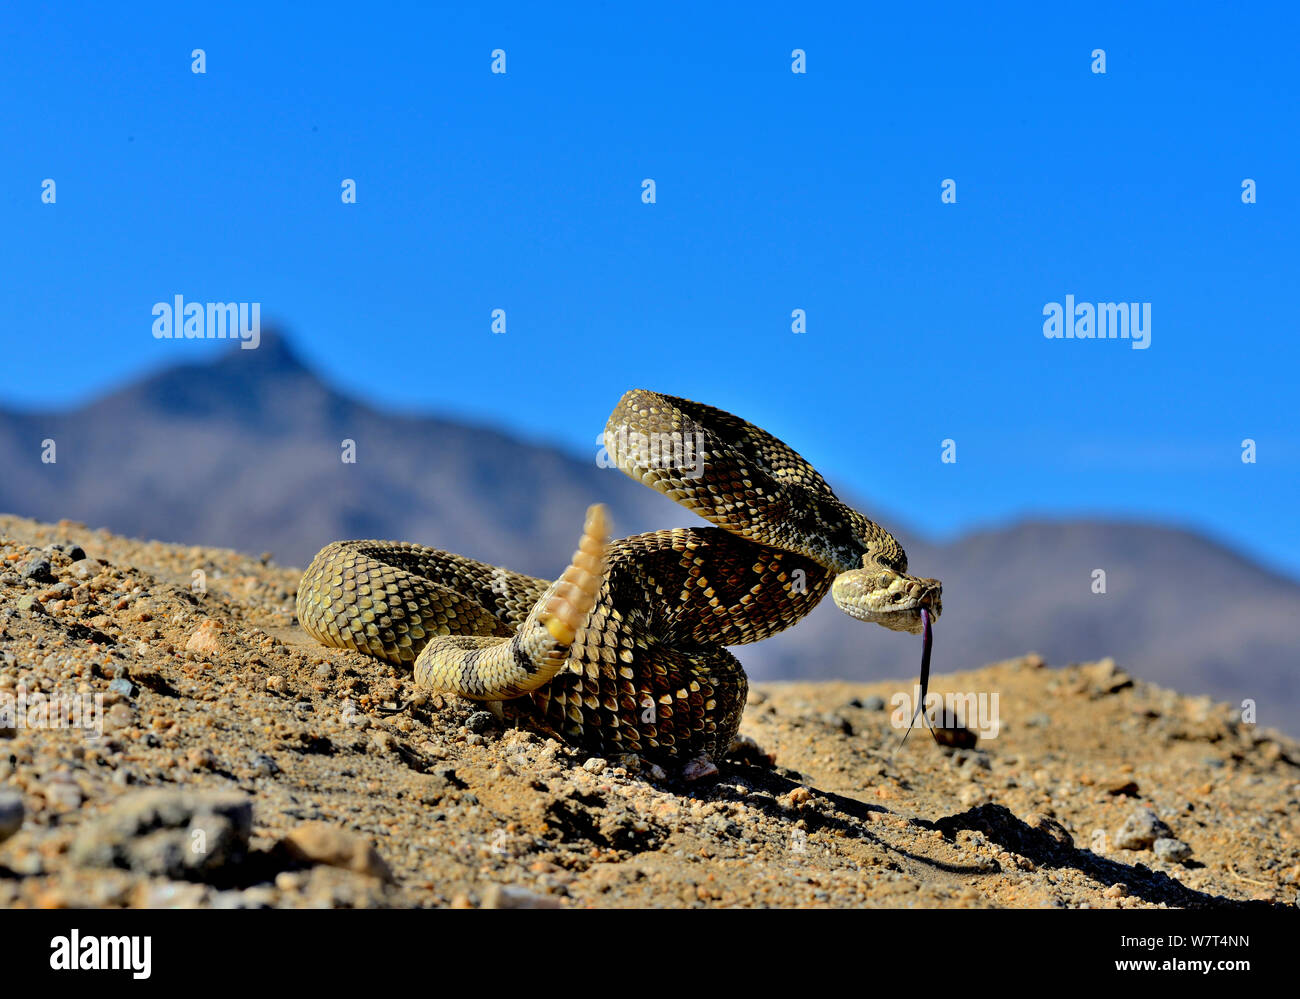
[[626, 652]]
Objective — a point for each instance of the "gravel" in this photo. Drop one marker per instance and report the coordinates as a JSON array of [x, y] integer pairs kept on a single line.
[[304, 790]]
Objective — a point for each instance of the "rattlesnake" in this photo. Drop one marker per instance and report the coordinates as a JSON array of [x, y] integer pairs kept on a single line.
[[626, 652]]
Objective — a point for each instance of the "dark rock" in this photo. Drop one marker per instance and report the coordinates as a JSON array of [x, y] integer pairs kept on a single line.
[[744, 749], [955, 736], [185, 835], [1121, 785], [11, 813], [482, 721], [37, 570]]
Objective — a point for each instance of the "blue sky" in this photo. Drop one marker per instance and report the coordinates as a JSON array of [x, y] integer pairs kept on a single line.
[[775, 191]]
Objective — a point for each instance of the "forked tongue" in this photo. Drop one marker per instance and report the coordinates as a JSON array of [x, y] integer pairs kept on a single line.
[[927, 645]]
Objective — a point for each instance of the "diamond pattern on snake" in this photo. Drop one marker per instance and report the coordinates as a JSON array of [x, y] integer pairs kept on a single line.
[[627, 651]]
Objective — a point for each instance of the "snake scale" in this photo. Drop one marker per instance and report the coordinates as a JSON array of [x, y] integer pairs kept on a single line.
[[626, 653]]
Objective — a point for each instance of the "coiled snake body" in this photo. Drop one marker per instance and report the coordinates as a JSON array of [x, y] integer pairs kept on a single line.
[[626, 651]]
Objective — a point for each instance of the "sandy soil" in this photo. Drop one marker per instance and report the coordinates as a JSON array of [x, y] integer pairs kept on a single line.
[[240, 764]]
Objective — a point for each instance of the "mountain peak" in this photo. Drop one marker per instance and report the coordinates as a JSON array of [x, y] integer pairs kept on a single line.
[[269, 382], [273, 353]]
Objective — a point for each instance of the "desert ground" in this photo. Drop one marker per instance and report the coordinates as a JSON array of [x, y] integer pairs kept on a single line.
[[240, 764]]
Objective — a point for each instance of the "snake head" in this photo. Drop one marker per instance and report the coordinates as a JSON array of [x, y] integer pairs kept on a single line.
[[887, 596]]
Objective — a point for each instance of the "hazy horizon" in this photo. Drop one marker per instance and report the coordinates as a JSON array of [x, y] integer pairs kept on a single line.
[[209, 351]]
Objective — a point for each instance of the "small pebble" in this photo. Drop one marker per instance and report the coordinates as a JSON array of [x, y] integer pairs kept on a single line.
[[262, 765], [322, 843], [63, 794], [1120, 785], [481, 721], [11, 813], [515, 897], [206, 639], [28, 602], [1172, 851], [1039, 719], [698, 769], [1140, 830], [85, 568], [37, 570]]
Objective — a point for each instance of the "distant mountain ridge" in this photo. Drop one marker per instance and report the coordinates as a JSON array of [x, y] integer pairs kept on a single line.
[[245, 452]]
